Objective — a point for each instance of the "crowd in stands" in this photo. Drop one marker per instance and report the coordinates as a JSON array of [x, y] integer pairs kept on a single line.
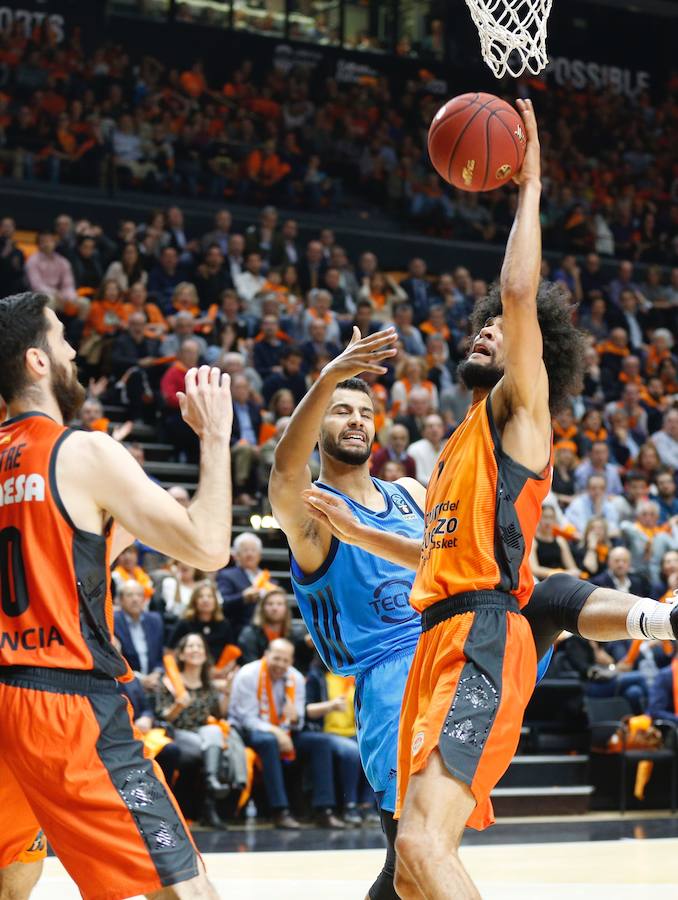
[[145, 304], [94, 115]]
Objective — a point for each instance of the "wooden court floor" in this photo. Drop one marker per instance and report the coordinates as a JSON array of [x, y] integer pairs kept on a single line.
[[624, 870]]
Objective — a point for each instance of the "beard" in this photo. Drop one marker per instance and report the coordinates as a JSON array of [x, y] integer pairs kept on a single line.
[[357, 456], [67, 390], [475, 375]]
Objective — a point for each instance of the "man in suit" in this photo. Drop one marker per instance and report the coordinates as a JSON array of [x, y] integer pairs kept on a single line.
[[261, 238], [418, 289], [220, 234], [237, 584], [285, 251], [619, 577], [317, 345], [141, 635], [244, 440], [312, 267], [418, 407], [291, 360]]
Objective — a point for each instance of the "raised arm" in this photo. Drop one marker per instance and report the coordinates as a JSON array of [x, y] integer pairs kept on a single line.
[[520, 276], [308, 538], [98, 478]]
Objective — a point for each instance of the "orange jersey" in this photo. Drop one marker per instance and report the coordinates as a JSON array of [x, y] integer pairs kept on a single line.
[[482, 510], [55, 601]]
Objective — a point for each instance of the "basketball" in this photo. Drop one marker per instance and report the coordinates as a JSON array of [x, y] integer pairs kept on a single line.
[[477, 142]]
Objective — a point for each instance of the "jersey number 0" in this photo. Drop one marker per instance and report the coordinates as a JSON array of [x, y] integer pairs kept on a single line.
[[13, 591]]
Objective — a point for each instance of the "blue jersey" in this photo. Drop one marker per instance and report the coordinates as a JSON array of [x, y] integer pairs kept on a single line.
[[356, 606]]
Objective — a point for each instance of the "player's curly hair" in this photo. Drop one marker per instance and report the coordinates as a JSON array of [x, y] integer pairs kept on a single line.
[[563, 343]]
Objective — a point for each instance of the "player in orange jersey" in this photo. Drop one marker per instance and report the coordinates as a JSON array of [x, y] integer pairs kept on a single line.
[[70, 758], [475, 665]]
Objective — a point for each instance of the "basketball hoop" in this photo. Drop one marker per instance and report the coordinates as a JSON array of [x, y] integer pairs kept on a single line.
[[512, 34]]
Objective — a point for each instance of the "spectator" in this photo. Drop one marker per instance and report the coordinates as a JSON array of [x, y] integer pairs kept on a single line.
[[330, 708], [164, 278], [140, 634], [550, 552], [647, 540], [381, 291], [648, 462], [564, 465], [204, 616], [212, 278], [317, 344], [262, 237], [343, 305], [290, 376], [183, 332], [197, 737], [666, 495], [666, 440], [592, 503], [244, 584], [411, 373], [598, 463], [411, 338], [220, 234], [137, 301], [662, 700], [87, 268], [12, 260], [49, 273], [244, 440], [250, 284], [128, 270], [419, 290], [178, 587], [319, 309], [271, 619], [182, 437], [134, 366], [311, 268], [618, 574], [426, 451], [127, 568], [395, 450], [268, 705], [235, 259], [594, 548], [268, 346], [418, 408]]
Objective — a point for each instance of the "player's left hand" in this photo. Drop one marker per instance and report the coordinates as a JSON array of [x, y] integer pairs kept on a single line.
[[332, 512], [531, 167]]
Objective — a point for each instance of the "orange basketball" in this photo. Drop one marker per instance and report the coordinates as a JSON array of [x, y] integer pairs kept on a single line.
[[477, 142]]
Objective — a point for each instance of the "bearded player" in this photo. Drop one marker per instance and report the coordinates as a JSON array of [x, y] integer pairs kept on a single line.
[[71, 759]]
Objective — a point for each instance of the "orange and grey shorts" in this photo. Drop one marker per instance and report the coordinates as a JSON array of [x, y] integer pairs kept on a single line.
[[72, 764], [471, 678]]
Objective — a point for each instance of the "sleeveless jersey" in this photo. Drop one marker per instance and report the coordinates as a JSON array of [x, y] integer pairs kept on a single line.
[[356, 606], [482, 510], [55, 600]]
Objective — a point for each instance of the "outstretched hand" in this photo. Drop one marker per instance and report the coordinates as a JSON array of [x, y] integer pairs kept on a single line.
[[363, 355], [531, 167], [332, 512], [206, 402]]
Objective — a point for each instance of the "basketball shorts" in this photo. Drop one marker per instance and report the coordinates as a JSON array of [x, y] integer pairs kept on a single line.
[[73, 765], [472, 676], [378, 699]]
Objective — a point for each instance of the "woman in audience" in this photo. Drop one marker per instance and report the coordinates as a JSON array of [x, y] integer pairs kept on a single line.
[[177, 588], [204, 616], [594, 547], [412, 372], [271, 619], [550, 552], [190, 712], [647, 462], [565, 462], [668, 576], [280, 406], [381, 290], [156, 326], [128, 269]]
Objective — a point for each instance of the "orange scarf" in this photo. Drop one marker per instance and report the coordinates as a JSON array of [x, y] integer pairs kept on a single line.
[[267, 707], [612, 349], [564, 434], [600, 435]]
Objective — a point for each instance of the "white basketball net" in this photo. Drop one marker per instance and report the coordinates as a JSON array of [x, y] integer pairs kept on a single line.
[[512, 34]]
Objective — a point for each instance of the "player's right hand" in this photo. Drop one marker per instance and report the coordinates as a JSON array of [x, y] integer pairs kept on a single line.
[[333, 512], [206, 403], [362, 355]]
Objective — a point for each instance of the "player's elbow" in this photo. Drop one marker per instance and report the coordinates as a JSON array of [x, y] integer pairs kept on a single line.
[[214, 556]]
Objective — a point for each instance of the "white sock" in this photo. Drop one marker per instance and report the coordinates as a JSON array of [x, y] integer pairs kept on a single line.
[[649, 620]]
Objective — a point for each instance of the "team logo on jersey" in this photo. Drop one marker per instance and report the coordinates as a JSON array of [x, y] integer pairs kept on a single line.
[[5, 439], [403, 506], [418, 742], [392, 602]]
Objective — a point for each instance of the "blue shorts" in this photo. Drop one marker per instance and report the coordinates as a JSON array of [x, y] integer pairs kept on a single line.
[[378, 697]]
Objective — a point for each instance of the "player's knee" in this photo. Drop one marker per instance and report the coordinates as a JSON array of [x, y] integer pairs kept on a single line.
[[410, 848], [17, 882]]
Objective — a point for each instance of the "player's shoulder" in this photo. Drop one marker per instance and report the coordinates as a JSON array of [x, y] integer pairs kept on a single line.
[[88, 450], [415, 489]]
